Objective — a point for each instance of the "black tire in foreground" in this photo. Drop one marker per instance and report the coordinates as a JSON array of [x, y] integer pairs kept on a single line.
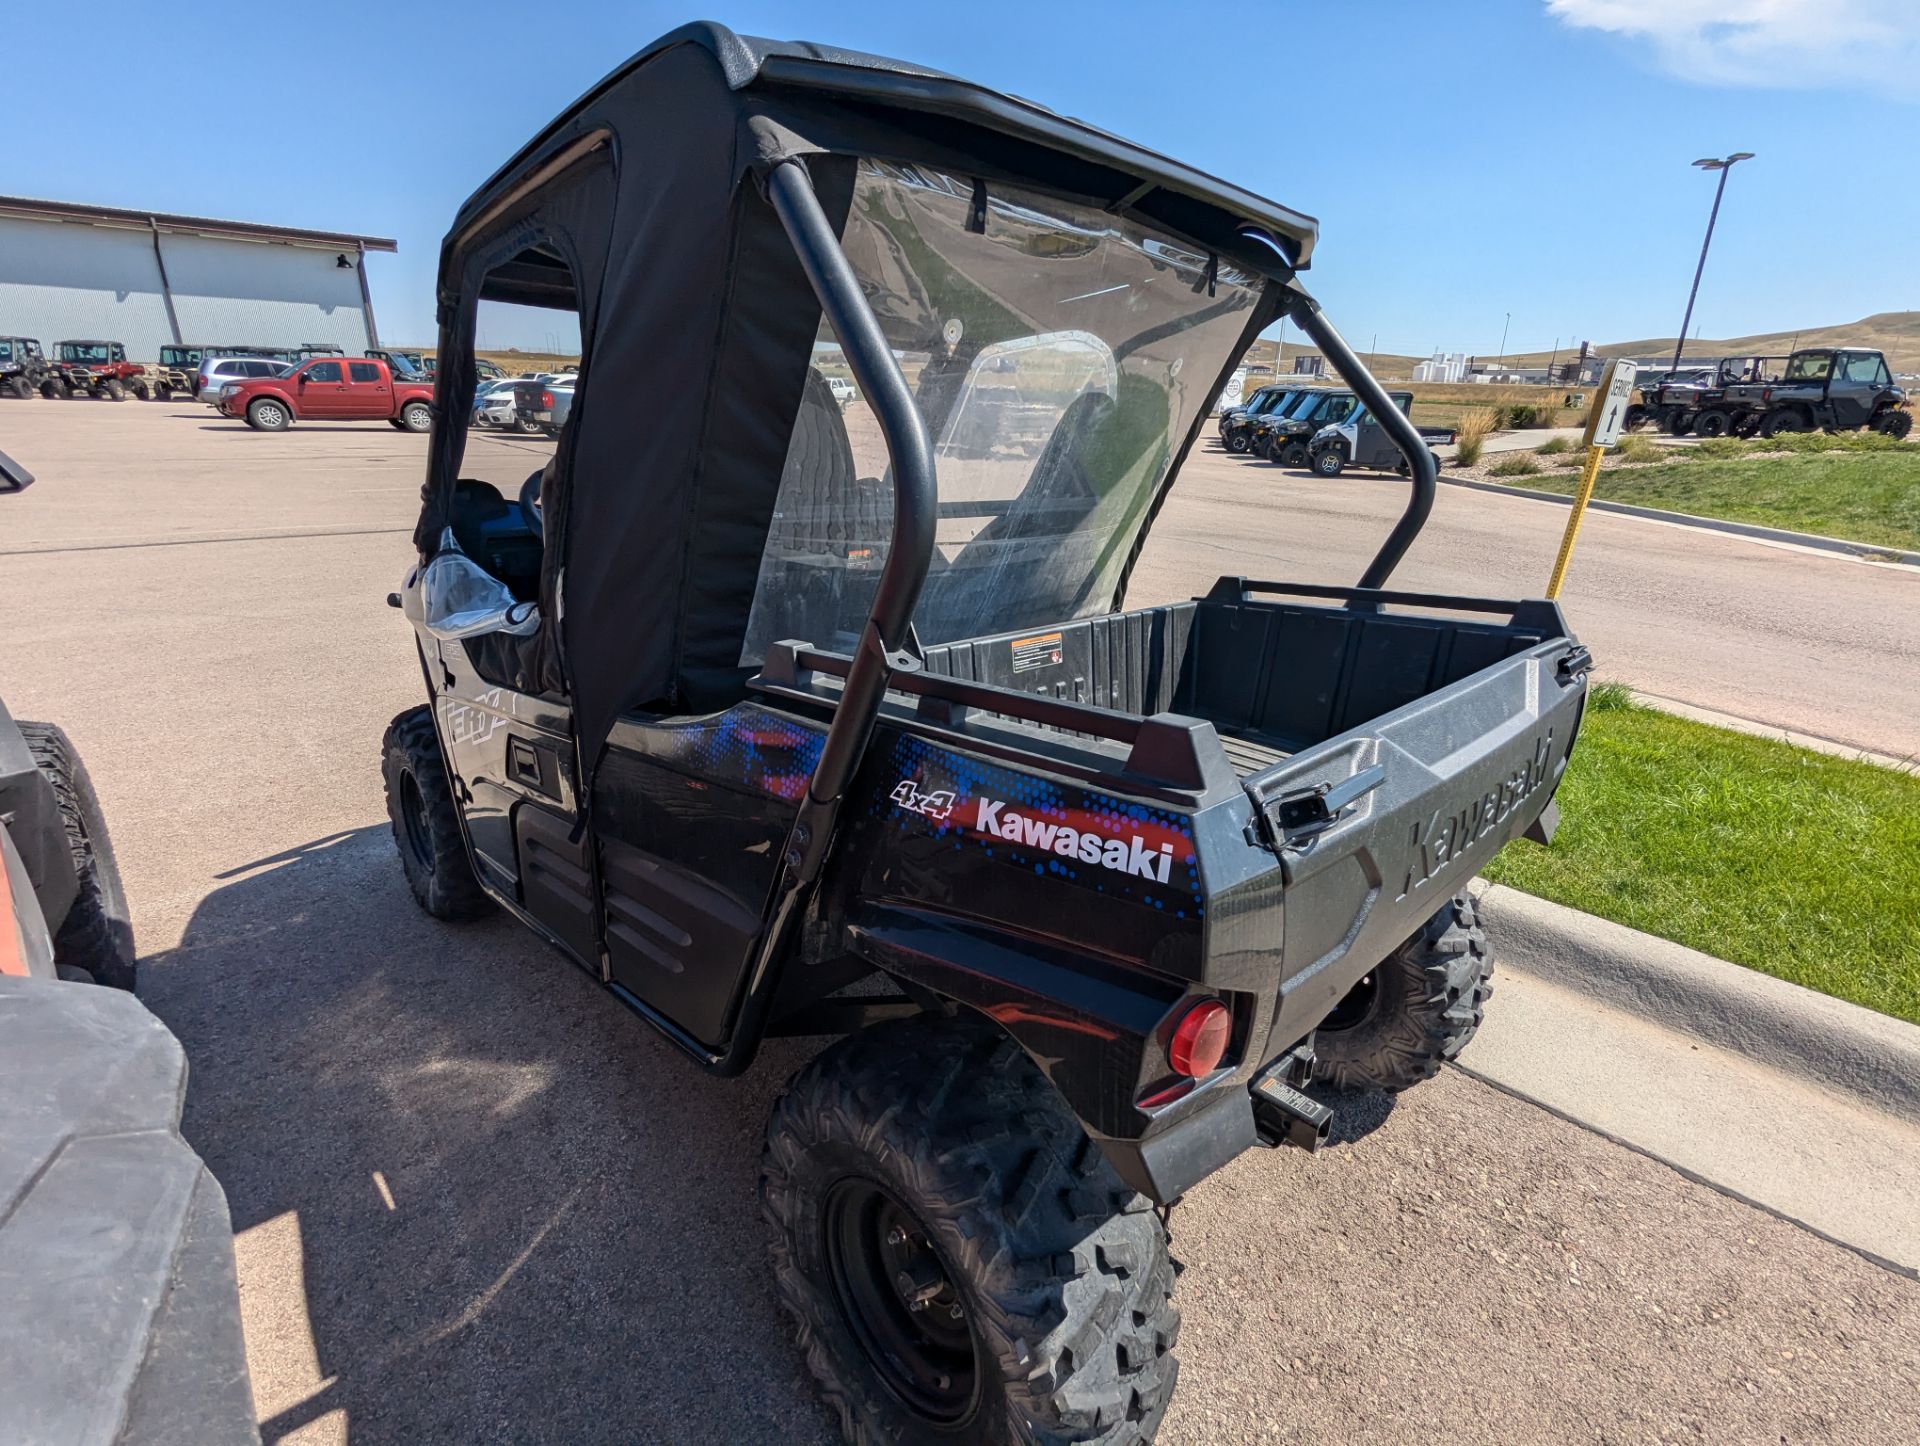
[[960, 1260], [1238, 442], [97, 934], [1292, 454], [1413, 1013], [426, 826], [1712, 423]]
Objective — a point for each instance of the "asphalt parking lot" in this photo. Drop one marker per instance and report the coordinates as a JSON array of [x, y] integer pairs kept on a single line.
[[477, 1201]]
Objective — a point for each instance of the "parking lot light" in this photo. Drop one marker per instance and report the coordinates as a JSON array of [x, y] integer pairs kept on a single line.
[[1722, 166]]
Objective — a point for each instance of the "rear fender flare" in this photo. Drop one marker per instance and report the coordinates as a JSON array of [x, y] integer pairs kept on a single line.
[[1096, 1029]]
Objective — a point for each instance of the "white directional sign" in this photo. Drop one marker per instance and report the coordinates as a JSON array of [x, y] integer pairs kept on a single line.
[[1610, 405]]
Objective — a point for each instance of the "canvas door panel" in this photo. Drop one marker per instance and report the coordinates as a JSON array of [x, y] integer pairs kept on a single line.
[[691, 817]]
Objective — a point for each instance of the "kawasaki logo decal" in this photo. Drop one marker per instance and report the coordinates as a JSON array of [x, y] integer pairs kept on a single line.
[[1135, 856]]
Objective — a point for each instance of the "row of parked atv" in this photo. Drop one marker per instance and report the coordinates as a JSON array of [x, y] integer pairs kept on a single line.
[[1317, 427], [100, 369], [1835, 389]]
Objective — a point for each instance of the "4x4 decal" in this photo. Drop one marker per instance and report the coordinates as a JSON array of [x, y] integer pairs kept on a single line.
[[935, 805]]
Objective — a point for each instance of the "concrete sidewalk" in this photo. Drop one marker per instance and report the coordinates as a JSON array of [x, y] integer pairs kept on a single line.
[[1800, 1106]]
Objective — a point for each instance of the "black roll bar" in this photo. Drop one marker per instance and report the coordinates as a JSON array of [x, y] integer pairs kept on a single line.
[[1305, 313], [885, 645]]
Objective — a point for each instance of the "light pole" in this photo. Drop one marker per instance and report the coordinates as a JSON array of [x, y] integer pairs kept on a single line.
[[1503, 340], [1722, 166]]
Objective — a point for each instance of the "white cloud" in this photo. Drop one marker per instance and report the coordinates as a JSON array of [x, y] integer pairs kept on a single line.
[[1777, 44]]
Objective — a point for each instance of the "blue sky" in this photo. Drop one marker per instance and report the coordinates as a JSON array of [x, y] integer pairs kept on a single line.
[[1466, 160]]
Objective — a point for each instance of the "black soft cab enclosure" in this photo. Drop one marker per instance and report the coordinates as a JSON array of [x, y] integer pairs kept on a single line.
[[787, 707]]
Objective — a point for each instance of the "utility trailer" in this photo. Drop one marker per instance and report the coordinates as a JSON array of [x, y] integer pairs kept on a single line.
[[781, 723]]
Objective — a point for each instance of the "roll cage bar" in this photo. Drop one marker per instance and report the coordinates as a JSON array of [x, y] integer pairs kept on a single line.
[[887, 645]]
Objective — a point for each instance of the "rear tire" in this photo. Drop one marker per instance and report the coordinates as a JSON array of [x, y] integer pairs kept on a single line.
[[55, 390], [1678, 423], [426, 824], [267, 415], [1788, 421], [416, 417], [1413, 1013], [97, 934], [928, 1158], [1712, 424]]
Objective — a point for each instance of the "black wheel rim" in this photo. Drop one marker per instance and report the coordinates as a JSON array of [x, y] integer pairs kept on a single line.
[[1355, 1009], [413, 821], [882, 1264]]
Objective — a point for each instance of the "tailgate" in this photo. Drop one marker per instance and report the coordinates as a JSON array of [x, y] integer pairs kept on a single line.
[[1379, 827]]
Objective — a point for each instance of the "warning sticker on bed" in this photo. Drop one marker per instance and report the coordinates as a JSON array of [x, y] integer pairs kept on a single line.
[[1042, 650]]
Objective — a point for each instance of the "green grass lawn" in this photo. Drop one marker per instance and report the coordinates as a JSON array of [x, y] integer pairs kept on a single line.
[[1861, 493], [1795, 863]]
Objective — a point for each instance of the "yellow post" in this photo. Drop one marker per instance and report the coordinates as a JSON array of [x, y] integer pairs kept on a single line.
[[1603, 428], [1589, 474]]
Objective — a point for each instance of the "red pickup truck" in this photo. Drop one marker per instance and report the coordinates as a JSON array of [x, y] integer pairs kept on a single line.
[[330, 389]]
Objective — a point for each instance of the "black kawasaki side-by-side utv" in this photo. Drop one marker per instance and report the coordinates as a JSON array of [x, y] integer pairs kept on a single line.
[[784, 718]]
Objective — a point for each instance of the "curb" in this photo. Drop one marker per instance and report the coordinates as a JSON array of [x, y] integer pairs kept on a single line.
[[1869, 1056], [1710, 524]]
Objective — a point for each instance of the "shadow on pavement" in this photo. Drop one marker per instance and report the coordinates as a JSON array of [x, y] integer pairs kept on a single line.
[[574, 1249], [1356, 1113]]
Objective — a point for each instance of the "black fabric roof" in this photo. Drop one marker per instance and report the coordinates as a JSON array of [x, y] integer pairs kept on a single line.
[[851, 76], [697, 324]]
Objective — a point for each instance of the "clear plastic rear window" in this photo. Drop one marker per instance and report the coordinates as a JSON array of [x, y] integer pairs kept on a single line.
[[1058, 355]]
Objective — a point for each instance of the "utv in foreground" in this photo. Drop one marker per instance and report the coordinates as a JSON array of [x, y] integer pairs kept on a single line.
[[784, 719], [119, 1310]]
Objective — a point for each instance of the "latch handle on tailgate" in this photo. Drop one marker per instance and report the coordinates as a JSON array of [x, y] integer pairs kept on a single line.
[[1318, 807]]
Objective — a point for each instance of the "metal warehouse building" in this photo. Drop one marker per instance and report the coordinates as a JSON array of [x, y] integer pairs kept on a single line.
[[144, 278]]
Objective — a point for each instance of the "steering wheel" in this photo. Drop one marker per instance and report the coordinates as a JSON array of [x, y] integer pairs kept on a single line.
[[530, 506]]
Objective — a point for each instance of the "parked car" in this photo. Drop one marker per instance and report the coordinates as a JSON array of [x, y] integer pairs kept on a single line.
[[95, 369], [544, 406], [493, 405], [23, 368], [217, 371], [330, 389], [844, 392]]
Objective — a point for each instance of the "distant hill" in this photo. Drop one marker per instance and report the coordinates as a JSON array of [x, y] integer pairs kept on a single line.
[[1897, 333]]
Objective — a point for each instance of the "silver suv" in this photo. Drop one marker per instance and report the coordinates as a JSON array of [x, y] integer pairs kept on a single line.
[[216, 371]]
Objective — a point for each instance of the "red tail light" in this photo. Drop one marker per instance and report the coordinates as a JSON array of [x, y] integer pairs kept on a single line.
[[1200, 1039], [546, 400]]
